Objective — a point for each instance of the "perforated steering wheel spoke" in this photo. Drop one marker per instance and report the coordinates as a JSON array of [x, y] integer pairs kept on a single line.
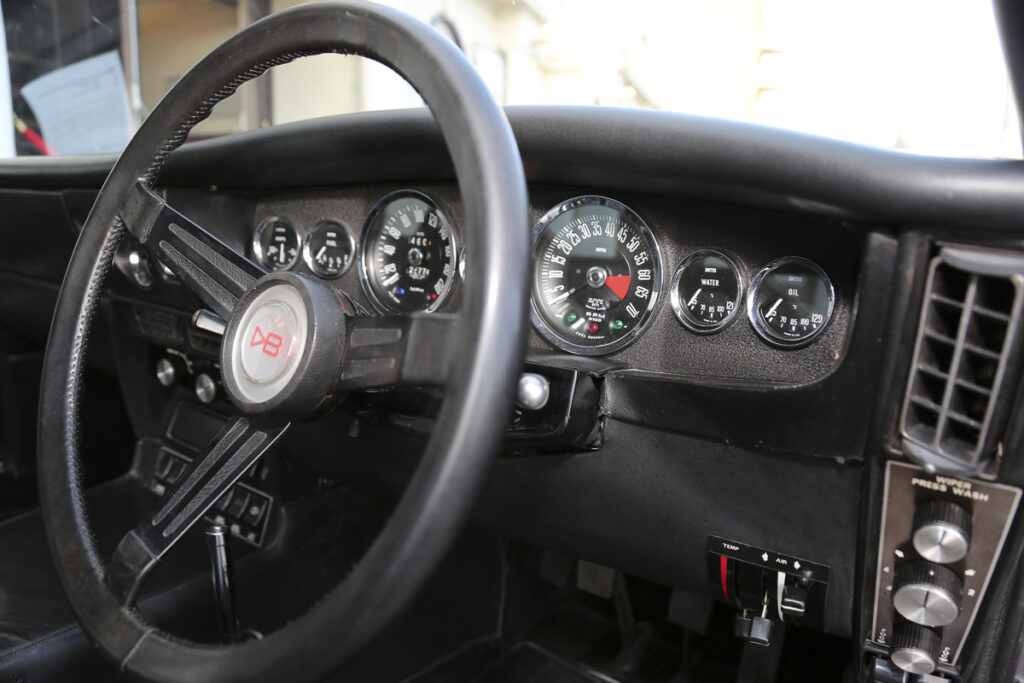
[[212, 270], [234, 449], [410, 350]]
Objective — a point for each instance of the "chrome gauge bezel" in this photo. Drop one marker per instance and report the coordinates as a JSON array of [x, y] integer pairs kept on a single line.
[[364, 238], [307, 255], [765, 331], [656, 282], [679, 306], [257, 246]]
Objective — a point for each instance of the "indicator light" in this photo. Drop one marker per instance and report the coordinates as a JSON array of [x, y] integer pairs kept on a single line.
[[571, 318], [617, 325], [432, 297], [400, 291], [594, 328]]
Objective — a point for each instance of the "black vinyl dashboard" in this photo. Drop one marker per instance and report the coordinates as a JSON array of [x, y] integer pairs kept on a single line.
[[698, 436]]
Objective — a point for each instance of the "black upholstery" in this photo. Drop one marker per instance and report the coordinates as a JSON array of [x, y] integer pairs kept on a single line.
[[39, 637]]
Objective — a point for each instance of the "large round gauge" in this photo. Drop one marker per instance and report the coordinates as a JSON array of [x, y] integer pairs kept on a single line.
[[790, 301], [596, 275], [409, 254], [706, 291], [276, 244], [329, 249]]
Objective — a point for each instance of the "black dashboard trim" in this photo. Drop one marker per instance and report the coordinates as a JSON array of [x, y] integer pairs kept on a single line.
[[649, 151]]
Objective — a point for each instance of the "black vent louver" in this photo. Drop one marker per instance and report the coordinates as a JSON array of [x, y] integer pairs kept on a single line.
[[955, 409]]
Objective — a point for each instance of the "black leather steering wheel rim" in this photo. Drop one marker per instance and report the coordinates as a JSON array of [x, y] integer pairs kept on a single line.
[[487, 356]]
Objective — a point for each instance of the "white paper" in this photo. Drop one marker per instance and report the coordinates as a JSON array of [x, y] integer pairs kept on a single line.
[[82, 108]]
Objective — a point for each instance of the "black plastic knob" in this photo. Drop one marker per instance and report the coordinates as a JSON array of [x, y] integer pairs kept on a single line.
[[942, 531], [915, 649], [927, 593]]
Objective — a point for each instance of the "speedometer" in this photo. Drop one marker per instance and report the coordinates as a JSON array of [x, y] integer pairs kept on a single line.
[[409, 254], [596, 275]]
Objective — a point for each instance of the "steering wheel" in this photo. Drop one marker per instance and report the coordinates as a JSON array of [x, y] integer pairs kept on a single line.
[[474, 356]]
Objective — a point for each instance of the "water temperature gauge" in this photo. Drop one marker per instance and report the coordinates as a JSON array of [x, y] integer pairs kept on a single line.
[[790, 301], [706, 291]]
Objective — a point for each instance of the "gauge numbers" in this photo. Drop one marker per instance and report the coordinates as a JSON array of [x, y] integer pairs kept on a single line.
[[276, 244], [706, 291], [329, 249], [790, 302], [409, 254], [597, 275]]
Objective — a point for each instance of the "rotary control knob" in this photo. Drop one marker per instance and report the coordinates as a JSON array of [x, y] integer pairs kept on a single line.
[[942, 531], [915, 649], [207, 388], [169, 370], [927, 593]]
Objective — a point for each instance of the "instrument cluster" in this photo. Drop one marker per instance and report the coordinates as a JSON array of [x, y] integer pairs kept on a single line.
[[408, 252], [598, 273]]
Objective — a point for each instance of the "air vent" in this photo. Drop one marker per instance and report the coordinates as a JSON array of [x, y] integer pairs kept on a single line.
[[955, 409]]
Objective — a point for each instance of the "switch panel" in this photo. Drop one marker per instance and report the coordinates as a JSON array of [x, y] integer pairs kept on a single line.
[[940, 539], [745, 576], [243, 510]]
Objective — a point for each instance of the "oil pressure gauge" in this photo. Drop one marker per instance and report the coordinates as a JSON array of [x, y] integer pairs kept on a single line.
[[790, 301], [706, 291]]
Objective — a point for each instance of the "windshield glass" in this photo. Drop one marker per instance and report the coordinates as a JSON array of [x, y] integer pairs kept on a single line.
[[925, 76]]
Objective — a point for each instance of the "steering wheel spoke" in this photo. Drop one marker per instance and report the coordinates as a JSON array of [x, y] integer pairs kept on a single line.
[[215, 272], [238, 445], [411, 350]]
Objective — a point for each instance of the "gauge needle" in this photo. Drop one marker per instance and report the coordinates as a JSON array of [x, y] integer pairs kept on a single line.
[[320, 253], [694, 298], [563, 296], [771, 311]]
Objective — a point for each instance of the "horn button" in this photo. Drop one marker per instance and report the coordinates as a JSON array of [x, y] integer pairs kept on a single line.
[[268, 343], [271, 333]]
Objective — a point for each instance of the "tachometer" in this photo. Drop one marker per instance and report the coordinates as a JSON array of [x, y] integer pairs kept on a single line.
[[596, 277], [409, 254]]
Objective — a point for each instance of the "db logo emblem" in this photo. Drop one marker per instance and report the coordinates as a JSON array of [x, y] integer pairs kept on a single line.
[[271, 343]]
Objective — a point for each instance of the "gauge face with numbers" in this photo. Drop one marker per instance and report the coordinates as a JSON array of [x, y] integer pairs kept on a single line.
[[596, 275], [706, 291], [791, 301], [409, 254]]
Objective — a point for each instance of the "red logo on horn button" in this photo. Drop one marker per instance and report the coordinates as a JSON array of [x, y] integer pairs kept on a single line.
[[271, 343]]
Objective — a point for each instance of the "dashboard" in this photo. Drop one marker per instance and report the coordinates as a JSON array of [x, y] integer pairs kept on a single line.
[[747, 325], [735, 311]]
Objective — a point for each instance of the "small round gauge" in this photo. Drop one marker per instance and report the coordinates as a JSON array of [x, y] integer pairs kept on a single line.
[[329, 249], [790, 301], [276, 244], [409, 254], [706, 291], [596, 275]]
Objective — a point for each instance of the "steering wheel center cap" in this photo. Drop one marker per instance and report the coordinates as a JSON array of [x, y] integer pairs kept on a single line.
[[268, 342]]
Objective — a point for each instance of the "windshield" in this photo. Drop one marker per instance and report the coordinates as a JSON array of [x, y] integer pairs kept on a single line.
[[925, 76]]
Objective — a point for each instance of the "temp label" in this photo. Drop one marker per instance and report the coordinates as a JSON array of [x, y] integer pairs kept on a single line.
[[768, 559]]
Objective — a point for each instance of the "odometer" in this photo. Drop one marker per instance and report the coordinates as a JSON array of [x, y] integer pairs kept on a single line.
[[409, 254], [597, 275]]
